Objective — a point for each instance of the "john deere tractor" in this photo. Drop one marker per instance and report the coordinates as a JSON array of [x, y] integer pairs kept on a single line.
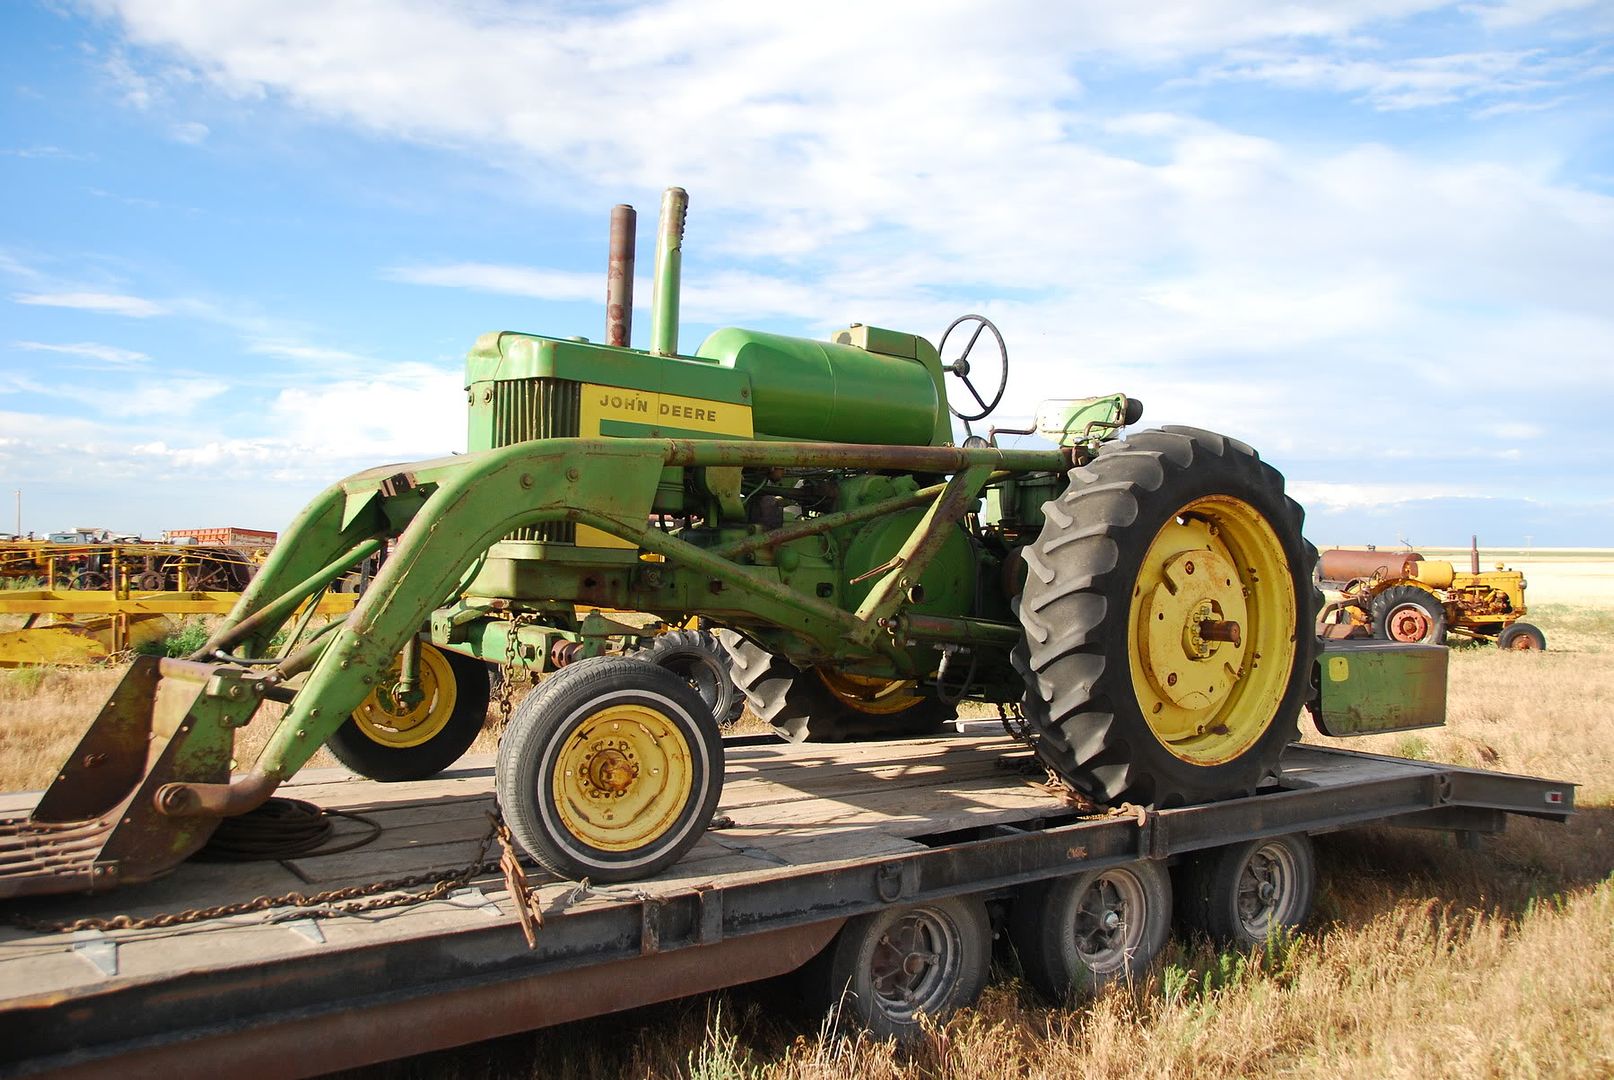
[[1146, 601]]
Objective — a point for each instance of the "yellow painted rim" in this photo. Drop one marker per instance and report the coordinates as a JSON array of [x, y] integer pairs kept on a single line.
[[388, 721], [1216, 560], [623, 778], [870, 694]]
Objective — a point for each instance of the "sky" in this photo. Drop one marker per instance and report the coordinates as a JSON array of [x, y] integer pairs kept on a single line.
[[245, 244]]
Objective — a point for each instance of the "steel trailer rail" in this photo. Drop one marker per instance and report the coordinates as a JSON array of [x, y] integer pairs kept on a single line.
[[817, 835]]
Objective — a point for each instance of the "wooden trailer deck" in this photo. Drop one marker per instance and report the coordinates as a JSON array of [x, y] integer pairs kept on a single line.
[[807, 835]]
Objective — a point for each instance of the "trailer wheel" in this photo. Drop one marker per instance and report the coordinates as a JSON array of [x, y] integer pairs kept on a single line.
[[823, 705], [1521, 636], [696, 657], [1077, 934], [391, 740], [1169, 621], [886, 969], [1409, 614], [1238, 894], [610, 770]]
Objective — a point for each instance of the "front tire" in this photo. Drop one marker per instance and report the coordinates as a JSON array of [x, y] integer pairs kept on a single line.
[[392, 741], [610, 770], [1521, 637], [1169, 622]]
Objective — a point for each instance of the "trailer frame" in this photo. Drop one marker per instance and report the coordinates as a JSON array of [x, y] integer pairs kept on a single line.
[[317, 1009]]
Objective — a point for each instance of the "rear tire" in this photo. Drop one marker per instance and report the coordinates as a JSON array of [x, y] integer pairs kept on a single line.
[[1076, 935], [610, 770], [696, 657], [883, 970], [1240, 893], [1408, 614], [388, 741], [1521, 637], [804, 706], [1161, 539]]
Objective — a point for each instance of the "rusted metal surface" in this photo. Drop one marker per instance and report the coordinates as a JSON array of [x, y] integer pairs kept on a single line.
[[1408, 623], [1348, 564], [918, 459], [619, 277]]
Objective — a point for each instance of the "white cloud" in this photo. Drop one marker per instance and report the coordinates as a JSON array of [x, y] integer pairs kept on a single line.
[[190, 133], [1313, 294], [1403, 84], [504, 279], [89, 350], [317, 354], [1327, 497], [134, 307]]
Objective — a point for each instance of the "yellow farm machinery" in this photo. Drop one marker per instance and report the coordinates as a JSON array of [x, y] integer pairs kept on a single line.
[[1402, 596]]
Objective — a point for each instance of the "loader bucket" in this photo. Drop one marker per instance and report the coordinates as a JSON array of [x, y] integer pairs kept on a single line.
[[99, 824]]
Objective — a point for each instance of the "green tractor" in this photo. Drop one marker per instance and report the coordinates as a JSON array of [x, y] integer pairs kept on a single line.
[[1145, 601]]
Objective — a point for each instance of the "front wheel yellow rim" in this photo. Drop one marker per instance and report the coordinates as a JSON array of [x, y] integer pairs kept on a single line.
[[398, 724], [1211, 634], [623, 777]]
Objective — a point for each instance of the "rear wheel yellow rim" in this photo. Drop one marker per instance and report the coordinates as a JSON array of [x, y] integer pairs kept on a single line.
[[623, 778], [393, 723], [868, 694], [1216, 563]]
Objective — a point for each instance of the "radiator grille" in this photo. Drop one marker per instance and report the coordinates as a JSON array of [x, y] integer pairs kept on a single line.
[[537, 409]]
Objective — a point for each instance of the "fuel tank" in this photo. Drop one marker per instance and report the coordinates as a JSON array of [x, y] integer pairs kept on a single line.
[[1346, 564], [831, 392]]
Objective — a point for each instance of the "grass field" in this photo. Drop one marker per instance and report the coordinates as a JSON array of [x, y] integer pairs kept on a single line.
[[1422, 960]]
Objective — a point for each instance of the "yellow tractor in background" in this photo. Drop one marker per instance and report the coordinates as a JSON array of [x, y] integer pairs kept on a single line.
[[1402, 596]]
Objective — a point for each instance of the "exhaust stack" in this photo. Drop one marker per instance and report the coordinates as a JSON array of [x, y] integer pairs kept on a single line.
[[669, 267], [619, 277], [1473, 553]]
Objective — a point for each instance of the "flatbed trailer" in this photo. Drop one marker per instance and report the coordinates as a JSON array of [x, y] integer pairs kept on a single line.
[[808, 837]]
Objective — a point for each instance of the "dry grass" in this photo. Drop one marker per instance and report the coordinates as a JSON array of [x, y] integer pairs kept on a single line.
[[1422, 960]]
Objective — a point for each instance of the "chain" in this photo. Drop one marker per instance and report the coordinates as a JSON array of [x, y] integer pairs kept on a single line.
[[507, 670], [353, 900], [1019, 729]]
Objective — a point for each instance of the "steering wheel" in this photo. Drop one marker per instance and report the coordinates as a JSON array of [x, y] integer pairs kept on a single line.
[[962, 367]]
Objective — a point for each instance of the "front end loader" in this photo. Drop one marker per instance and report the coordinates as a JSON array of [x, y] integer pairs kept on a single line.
[[1144, 603]]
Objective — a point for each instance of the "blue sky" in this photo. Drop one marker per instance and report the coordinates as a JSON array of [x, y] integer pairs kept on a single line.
[[245, 245]]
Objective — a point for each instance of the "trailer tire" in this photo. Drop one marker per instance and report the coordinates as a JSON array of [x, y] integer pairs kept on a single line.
[[883, 970], [696, 657], [1241, 893], [1077, 934], [610, 770], [1128, 711], [819, 705], [1409, 614], [388, 741], [1521, 637]]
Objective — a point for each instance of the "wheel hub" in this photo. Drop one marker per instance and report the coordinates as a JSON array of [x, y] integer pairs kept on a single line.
[[622, 777], [610, 771], [1409, 623], [398, 719], [1198, 591]]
